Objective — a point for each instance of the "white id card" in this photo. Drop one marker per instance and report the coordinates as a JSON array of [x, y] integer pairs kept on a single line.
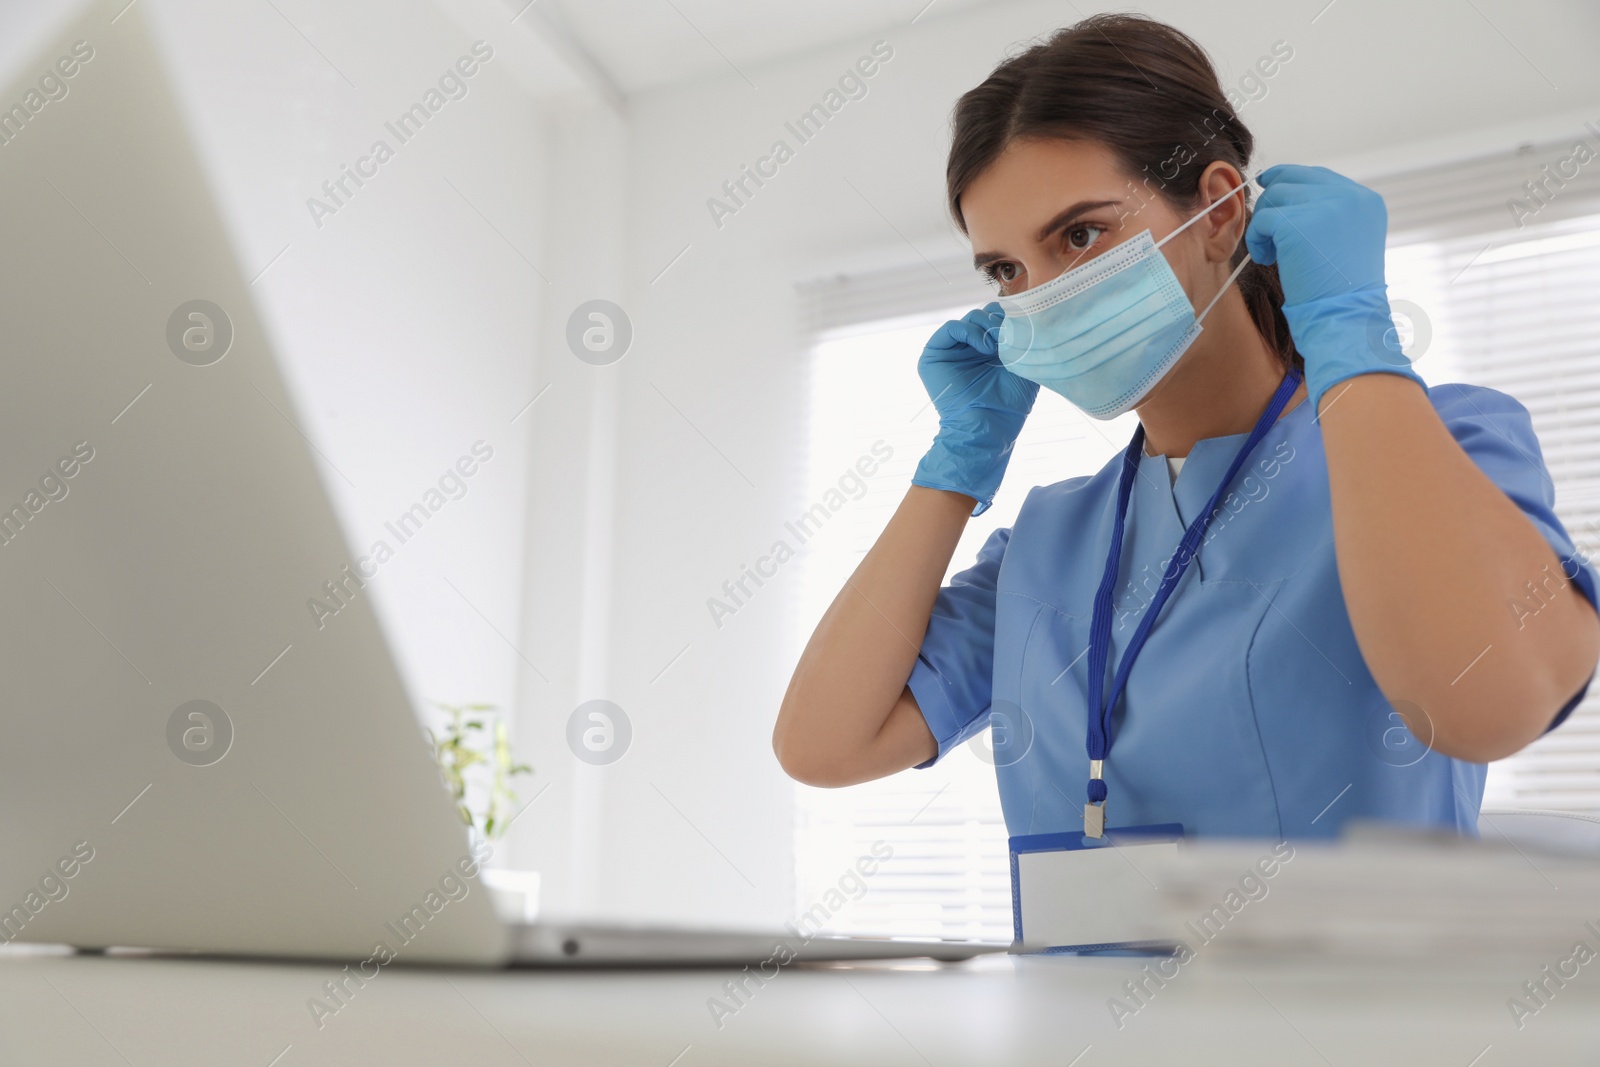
[[1070, 893]]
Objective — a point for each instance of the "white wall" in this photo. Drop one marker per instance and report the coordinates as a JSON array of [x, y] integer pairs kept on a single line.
[[423, 317], [406, 321]]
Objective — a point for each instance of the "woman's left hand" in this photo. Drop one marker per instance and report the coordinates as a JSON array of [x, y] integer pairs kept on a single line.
[[1326, 233]]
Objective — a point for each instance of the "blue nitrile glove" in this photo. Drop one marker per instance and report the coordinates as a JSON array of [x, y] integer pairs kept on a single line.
[[981, 406], [1326, 233]]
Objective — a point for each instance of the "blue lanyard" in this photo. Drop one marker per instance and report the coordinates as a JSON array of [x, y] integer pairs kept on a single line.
[[1099, 740]]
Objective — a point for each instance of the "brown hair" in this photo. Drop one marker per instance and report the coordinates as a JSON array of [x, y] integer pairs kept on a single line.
[[1142, 88]]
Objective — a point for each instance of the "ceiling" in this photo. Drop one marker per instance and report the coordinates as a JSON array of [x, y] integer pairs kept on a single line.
[[645, 44]]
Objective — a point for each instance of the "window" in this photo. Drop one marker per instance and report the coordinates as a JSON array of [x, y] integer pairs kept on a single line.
[[1477, 297]]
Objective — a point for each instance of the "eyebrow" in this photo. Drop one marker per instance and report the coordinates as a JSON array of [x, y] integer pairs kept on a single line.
[[1061, 220]]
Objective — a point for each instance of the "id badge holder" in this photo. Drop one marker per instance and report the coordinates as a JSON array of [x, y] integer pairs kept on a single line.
[[1071, 893]]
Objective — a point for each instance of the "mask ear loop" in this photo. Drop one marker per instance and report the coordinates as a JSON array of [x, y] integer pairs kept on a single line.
[[1200, 215], [1245, 262], [1203, 212]]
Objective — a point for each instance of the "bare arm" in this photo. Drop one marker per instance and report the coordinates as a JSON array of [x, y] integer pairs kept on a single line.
[[848, 716], [1432, 555]]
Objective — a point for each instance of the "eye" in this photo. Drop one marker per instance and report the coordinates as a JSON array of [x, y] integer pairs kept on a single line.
[[1082, 238], [1001, 274]]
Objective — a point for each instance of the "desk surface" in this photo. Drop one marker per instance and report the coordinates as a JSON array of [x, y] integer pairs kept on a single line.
[[1001, 1010]]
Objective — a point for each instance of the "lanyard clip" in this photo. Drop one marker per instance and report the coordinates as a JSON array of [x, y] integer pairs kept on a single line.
[[1094, 812]]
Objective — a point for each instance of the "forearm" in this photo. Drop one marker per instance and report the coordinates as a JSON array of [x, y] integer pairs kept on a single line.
[[835, 715], [1432, 557]]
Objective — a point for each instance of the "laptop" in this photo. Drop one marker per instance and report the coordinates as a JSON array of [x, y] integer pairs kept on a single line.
[[192, 765]]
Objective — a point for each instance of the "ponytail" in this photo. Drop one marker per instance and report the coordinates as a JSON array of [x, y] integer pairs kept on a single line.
[[1263, 296]]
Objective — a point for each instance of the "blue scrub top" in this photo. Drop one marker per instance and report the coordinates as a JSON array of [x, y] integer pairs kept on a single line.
[[1250, 711]]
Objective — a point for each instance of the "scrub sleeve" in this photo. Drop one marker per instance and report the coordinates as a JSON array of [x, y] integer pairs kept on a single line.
[[953, 678], [1497, 432]]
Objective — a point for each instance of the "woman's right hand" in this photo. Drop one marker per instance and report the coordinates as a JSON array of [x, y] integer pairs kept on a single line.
[[981, 406]]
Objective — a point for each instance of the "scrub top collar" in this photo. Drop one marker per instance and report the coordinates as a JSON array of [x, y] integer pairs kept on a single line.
[[1208, 461], [1174, 504]]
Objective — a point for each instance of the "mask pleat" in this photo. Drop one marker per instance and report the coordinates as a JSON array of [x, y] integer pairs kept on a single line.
[[1098, 344]]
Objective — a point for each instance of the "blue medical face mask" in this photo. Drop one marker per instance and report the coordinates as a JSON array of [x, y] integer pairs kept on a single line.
[[1104, 333]]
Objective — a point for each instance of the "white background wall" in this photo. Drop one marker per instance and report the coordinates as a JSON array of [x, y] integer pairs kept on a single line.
[[415, 323]]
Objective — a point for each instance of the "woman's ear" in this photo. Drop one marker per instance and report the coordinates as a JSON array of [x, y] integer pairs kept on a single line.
[[1224, 227]]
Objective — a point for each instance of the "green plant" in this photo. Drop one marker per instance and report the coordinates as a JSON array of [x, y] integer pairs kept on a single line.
[[456, 755]]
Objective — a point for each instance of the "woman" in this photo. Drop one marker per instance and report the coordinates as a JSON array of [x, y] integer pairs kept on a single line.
[[1344, 590]]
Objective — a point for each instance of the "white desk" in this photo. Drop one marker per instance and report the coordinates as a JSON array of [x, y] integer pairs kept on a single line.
[[172, 1013]]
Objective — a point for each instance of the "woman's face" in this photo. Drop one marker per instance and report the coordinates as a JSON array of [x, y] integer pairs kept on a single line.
[[1045, 206]]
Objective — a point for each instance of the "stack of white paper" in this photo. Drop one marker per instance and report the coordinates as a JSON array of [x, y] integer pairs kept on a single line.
[[1379, 892]]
